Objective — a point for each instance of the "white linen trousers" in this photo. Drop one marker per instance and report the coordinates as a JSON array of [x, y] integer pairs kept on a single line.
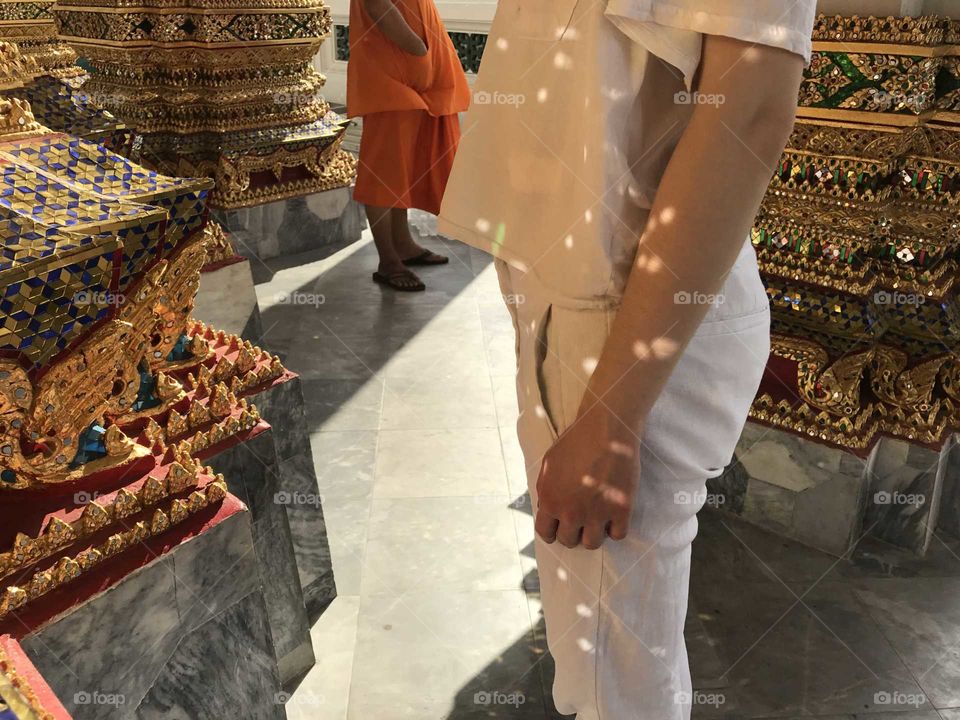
[[615, 616]]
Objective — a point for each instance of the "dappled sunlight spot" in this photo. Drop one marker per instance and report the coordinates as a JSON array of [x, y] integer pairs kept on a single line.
[[640, 349], [664, 348], [654, 264], [562, 61], [617, 497], [752, 54], [483, 225], [588, 216], [503, 44], [614, 94], [584, 611], [562, 574], [571, 33], [588, 481], [668, 215], [540, 412], [543, 95], [585, 645], [619, 448], [568, 242], [589, 365]]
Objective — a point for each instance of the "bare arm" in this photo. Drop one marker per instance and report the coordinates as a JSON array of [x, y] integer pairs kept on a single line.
[[701, 216], [391, 23], [700, 219]]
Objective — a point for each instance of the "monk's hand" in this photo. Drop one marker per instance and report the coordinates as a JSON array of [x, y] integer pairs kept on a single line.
[[587, 482], [416, 47]]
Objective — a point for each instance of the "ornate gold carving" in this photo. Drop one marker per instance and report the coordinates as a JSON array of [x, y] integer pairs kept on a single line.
[[184, 474], [68, 569], [17, 693], [921, 30], [218, 246], [225, 91], [897, 385]]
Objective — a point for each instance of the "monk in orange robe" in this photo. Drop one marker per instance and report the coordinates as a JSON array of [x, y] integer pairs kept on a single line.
[[405, 80]]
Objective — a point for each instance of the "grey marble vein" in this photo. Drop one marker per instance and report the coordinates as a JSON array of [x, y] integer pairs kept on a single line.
[[223, 669]]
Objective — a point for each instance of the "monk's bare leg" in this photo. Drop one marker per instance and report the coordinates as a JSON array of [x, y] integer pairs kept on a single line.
[[391, 263], [408, 248]]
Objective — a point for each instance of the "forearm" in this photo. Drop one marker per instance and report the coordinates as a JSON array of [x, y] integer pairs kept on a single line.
[[391, 23], [701, 217]]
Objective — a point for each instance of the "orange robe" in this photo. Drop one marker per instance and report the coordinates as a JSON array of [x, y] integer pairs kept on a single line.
[[409, 106]]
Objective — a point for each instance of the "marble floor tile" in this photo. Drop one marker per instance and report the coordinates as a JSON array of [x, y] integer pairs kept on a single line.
[[313, 357], [343, 405], [545, 663], [433, 355], [280, 328], [484, 668], [501, 353], [438, 401], [523, 523], [728, 548], [457, 544], [494, 315], [505, 399], [347, 521], [921, 619], [513, 460], [434, 463], [819, 656], [909, 715], [345, 462], [325, 691], [348, 317]]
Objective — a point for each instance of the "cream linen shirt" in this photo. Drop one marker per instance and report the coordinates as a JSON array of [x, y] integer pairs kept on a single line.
[[576, 111]]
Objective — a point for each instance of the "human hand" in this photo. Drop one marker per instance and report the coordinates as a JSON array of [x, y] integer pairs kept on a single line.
[[587, 482], [418, 48]]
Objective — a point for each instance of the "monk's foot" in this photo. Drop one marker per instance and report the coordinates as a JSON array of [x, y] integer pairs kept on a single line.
[[398, 277], [419, 256]]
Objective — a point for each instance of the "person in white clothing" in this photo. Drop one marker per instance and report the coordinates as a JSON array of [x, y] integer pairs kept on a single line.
[[613, 161]]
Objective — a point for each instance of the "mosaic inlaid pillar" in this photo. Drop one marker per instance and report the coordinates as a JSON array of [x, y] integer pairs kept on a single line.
[[218, 91], [858, 240], [114, 407], [56, 93]]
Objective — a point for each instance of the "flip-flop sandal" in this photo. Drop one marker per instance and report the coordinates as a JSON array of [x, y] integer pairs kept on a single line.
[[392, 281], [427, 257]]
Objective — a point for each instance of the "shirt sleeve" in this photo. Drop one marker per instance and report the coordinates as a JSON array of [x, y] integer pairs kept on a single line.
[[673, 29]]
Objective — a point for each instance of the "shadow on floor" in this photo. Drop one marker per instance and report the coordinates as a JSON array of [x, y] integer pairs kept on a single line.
[[775, 629]]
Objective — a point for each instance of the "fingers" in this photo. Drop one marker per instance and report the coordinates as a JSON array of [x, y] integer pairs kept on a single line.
[[569, 534], [594, 536], [552, 530], [619, 525], [546, 527]]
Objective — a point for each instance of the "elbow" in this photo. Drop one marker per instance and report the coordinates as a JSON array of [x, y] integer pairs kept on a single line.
[[774, 121], [765, 125]]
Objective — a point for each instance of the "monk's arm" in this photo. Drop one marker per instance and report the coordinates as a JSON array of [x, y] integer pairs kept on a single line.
[[701, 217], [391, 23]]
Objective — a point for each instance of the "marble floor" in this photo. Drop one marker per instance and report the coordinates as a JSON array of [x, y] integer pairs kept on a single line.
[[411, 409]]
